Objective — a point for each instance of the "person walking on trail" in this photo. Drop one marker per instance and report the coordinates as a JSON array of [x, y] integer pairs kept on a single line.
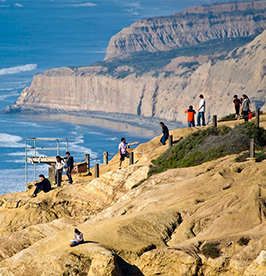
[[237, 104], [201, 111], [70, 166], [190, 116], [165, 132], [78, 238], [44, 185], [122, 148], [245, 107], [59, 165]]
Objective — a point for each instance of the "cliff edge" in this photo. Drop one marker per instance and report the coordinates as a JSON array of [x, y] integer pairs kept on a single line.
[[190, 27], [162, 93]]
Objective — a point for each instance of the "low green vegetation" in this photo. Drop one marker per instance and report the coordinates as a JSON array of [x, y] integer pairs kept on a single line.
[[259, 156], [230, 117], [143, 62], [209, 144]]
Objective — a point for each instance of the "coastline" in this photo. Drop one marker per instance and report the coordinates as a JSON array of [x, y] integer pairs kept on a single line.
[[146, 126]]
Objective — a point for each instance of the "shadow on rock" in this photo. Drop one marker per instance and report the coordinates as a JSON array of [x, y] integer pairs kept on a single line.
[[128, 269]]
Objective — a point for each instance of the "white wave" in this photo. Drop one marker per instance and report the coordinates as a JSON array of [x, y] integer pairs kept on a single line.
[[11, 86], [77, 147], [110, 139], [28, 124], [18, 5], [17, 69], [16, 161], [3, 97], [95, 52], [29, 153], [88, 4], [135, 5], [4, 6], [10, 141]]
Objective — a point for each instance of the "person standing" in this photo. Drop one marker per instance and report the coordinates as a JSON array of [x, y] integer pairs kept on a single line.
[[70, 166], [165, 132], [122, 148], [237, 104], [59, 165], [245, 107], [190, 116], [201, 111], [44, 185]]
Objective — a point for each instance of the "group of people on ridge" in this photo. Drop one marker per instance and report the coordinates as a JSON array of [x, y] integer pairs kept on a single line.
[[242, 105], [45, 185], [201, 113]]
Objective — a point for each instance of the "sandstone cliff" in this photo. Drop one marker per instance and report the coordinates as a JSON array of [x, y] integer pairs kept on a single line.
[[164, 93], [132, 226], [191, 27]]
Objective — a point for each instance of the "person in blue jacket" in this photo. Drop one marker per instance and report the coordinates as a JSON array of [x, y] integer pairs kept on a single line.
[[165, 132], [69, 166]]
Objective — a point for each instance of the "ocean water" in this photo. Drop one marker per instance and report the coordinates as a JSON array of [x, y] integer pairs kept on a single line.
[[39, 35]]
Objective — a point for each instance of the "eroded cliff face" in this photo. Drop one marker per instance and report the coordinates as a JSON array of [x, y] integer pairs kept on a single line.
[[166, 95], [191, 27]]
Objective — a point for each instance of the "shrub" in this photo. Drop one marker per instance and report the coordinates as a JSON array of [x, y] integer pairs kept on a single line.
[[211, 250], [243, 241], [229, 117], [208, 144]]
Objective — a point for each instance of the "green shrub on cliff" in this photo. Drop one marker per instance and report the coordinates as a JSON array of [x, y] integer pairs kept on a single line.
[[143, 62], [209, 144]]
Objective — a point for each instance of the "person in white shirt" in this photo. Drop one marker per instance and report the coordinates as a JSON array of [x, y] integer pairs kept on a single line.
[[123, 150], [59, 165], [78, 238], [201, 111]]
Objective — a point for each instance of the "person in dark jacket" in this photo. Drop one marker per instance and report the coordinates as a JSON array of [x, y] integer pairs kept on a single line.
[[69, 165], [44, 185], [165, 133]]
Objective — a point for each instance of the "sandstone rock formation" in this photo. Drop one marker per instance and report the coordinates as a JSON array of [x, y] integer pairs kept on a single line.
[[191, 27], [165, 96], [206, 220]]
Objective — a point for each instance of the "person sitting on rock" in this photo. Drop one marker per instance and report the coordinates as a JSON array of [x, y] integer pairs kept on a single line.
[[78, 238], [44, 185]]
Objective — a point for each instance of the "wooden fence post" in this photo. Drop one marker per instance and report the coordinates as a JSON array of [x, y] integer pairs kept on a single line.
[[87, 158], [105, 158], [170, 141], [257, 115], [131, 158], [252, 149], [214, 120], [97, 170]]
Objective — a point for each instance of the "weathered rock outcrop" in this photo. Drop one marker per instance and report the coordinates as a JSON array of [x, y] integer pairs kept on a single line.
[[165, 96], [206, 220], [191, 27]]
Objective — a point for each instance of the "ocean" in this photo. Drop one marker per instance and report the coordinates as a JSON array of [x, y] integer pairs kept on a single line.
[[44, 34]]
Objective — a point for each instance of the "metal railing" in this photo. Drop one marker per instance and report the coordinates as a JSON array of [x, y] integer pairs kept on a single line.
[[34, 148]]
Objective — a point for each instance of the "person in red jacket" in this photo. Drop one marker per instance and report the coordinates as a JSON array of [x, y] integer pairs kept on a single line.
[[190, 116]]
